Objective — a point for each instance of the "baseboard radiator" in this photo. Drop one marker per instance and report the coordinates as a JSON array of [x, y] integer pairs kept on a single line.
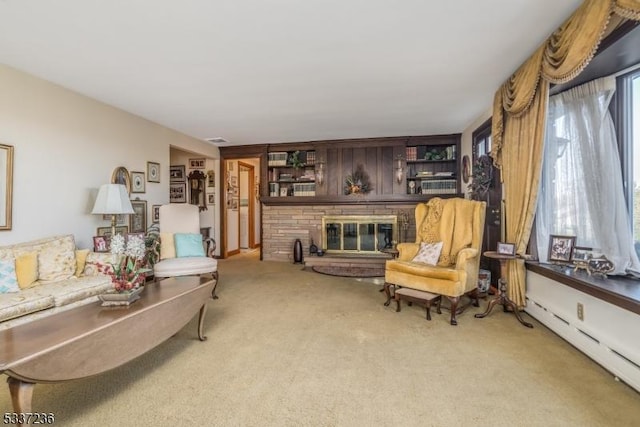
[[607, 334]]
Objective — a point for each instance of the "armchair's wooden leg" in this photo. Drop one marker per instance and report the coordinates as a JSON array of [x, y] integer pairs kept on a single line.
[[438, 302], [475, 297], [387, 292], [454, 309], [398, 303], [213, 291]]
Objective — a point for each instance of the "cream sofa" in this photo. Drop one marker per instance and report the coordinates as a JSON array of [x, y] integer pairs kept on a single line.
[[53, 276]]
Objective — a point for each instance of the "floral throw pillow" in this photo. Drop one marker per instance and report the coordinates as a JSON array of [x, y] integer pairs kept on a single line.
[[428, 253], [8, 279]]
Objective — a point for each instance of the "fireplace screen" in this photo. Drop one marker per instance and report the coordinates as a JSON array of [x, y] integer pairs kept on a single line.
[[366, 234]]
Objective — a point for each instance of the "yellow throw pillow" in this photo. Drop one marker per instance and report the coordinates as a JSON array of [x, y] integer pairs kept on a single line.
[[27, 269], [167, 246], [81, 259]]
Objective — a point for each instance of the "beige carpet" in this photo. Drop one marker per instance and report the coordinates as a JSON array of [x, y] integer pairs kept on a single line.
[[289, 347]]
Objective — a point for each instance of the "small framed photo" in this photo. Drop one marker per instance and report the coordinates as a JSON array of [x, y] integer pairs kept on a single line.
[[138, 219], [137, 182], [197, 163], [211, 199], [581, 254], [506, 249], [178, 192], [561, 248], [101, 244], [155, 214], [211, 179], [176, 173], [153, 172]]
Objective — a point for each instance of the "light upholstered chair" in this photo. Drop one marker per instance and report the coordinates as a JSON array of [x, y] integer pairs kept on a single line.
[[455, 224], [182, 251]]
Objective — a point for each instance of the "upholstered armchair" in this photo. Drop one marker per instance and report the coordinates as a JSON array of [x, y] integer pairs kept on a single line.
[[182, 251], [457, 225]]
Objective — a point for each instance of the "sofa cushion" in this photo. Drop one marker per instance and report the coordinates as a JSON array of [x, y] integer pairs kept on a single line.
[[56, 257], [8, 279], [74, 289], [97, 259], [81, 260], [24, 302], [27, 269]]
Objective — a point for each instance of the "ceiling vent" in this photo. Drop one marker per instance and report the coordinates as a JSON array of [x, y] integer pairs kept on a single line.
[[217, 140]]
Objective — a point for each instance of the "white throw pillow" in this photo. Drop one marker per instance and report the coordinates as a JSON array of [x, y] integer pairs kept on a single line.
[[428, 253]]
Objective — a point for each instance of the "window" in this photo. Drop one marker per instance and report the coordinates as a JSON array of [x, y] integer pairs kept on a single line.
[[482, 140], [629, 92]]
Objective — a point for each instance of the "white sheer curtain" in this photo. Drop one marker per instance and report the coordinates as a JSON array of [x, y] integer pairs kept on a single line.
[[581, 190]]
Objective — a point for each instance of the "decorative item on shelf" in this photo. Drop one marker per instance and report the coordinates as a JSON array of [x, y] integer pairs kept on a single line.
[[320, 252], [320, 171], [113, 200], [601, 266], [580, 259], [358, 182], [482, 176], [399, 168], [295, 161]]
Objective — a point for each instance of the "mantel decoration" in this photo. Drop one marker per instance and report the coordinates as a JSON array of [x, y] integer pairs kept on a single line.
[[358, 182], [482, 176]]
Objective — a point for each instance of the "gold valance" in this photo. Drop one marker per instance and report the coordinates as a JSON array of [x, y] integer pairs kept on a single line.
[[629, 9]]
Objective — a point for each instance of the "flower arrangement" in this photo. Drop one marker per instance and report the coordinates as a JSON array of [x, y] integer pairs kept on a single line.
[[127, 271], [358, 182]]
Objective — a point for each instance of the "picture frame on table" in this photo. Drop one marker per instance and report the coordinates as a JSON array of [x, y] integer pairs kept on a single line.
[[137, 182], [101, 244], [177, 173], [138, 219], [153, 172], [106, 231], [581, 254], [561, 248], [197, 163], [506, 249], [178, 192], [155, 214]]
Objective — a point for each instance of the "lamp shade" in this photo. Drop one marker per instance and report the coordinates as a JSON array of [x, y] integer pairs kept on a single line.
[[112, 199]]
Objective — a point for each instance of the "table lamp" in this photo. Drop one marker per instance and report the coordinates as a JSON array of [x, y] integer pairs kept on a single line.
[[113, 200]]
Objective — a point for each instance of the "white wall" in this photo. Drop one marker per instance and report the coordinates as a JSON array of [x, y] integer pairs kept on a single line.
[[66, 146]]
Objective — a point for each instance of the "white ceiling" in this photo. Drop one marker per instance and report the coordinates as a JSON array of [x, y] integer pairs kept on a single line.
[[267, 71]]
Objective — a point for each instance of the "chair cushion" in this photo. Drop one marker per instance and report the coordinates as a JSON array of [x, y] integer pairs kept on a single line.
[[428, 253], [437, 280], [167, 246], [25, 302], [75, 289], [188, 245], [186, 266]]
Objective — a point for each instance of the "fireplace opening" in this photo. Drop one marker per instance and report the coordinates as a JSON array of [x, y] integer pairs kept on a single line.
[[359, 234]]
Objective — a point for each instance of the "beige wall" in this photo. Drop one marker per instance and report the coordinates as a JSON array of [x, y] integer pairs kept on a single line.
[[66, 146]]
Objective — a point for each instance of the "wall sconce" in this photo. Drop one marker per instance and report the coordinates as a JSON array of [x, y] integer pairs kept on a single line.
[[320, 172], [399, 169]]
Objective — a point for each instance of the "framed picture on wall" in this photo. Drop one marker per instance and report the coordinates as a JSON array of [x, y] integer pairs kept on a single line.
[[211, 179], [153, 172], [155, 214], [176, 173], [197, 163], [178, 192], [211, 198], [138, 219], [137, 182]]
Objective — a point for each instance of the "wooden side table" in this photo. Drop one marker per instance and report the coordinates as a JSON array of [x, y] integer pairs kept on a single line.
[[503, 299]]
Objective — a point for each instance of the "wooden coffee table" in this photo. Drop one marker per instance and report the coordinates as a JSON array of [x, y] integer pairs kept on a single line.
[[91, 339]]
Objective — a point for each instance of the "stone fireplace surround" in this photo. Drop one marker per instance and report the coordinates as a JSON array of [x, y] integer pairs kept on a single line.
[[282, 225]]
